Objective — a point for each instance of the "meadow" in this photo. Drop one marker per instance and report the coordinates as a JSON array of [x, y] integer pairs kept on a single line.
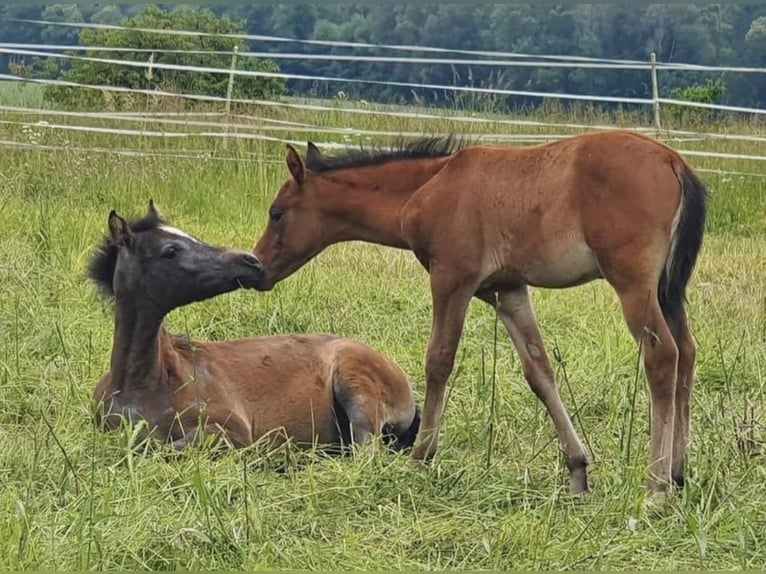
[[74, 498]]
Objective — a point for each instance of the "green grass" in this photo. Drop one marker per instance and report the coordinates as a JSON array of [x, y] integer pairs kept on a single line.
[[75, 498], [13, 93]]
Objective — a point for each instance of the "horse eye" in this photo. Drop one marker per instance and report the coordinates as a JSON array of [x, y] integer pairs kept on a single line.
[[276, 215], [169, 252]]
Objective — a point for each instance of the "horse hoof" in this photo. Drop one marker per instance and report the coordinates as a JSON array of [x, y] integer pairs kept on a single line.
[[655, 501], [579, 490], [421, 456], [656, 497], [578, 482]]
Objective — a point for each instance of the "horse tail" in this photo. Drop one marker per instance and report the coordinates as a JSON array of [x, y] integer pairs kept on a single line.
[[406, 440], [396, 442], [342, 424], [685, 242]]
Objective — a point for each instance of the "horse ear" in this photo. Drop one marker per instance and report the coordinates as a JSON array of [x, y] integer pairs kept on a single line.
[[119, 230], [154, 210], [313, 155], [295, 164]]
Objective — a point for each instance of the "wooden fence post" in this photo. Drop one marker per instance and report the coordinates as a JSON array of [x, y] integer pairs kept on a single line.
[[655, 93], [229, 91]]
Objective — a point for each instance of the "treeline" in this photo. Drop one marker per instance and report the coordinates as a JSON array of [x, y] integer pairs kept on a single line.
[[712, 34]]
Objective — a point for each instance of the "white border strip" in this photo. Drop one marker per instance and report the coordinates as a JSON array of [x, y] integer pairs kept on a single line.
[[331, 43], [410, 48], [20, 47], [285, 76], [225, 127], [411, 85], [505, 63], [208, 155], [267, 138], [285, 125]]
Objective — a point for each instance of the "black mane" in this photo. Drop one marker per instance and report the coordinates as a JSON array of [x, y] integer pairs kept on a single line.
[[423, 148], [104, 260]]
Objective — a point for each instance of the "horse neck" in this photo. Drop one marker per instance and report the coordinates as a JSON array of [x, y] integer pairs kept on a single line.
[[139, 349], [371, 209]]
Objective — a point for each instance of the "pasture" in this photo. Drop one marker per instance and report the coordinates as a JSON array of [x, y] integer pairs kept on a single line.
[[74, 498]]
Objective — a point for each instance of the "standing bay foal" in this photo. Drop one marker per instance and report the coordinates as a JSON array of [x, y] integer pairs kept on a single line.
[[313, 389], [488, 222]]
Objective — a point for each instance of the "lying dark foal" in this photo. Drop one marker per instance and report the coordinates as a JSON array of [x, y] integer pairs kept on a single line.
[[312, 389]]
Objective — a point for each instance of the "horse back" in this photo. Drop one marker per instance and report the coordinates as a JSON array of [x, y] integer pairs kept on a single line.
[[543, 215]]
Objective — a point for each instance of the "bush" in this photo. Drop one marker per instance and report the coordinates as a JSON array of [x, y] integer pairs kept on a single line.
[[167, 49], [711, 92]]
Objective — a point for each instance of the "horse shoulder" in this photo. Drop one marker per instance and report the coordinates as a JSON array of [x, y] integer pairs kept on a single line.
[[438, 206], [215, 379]]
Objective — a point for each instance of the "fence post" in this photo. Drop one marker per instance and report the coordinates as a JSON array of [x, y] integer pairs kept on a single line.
[[655, 92], [229, 91], [149, 78]]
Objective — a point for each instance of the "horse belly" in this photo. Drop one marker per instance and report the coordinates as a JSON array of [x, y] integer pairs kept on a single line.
[[302, 410], [563, 266], [549, 266]]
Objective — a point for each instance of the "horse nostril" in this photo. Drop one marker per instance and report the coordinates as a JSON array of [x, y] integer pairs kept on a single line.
[[251, 260]]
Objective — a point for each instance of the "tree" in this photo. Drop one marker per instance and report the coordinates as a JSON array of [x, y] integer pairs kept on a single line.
[[165, 49], [756, 41], [724, 34], [58, 34]]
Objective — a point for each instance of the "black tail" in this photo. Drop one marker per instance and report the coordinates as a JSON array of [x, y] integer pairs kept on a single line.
[[342, 424], [395, 442], [685, 244], [406, 440]]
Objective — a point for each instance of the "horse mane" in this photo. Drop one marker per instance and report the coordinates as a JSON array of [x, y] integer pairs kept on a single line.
[[422, 148], [104, 260]]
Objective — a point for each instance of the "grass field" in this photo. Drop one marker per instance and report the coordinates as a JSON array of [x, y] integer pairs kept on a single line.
[[74, 498]]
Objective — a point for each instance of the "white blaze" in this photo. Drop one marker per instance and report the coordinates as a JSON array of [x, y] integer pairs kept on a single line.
[[178, 232]]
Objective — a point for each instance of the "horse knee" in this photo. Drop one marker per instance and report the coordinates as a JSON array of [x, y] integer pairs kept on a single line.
[[687, 356], [689, 349]]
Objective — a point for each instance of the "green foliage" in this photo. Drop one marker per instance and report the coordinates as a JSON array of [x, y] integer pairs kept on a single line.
[[711, 92], [167, 50], [725, 34]]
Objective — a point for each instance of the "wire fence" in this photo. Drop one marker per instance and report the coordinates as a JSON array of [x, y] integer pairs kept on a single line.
[[64, 53], [260, 127], [582, 60]]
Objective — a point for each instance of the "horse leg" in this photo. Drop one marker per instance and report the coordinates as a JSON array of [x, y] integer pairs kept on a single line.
[[687, 352], [518, 316], [450, 305], [644, 316], [217, 427]]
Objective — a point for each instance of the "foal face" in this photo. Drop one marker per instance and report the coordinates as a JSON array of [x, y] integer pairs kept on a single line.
[[170, 268], [297, 229]]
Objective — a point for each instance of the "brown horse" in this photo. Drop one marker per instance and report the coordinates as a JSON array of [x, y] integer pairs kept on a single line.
[[313, 389], [488, 222]]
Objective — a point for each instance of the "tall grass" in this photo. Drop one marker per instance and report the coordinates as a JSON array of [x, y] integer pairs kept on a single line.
[[75, 498]]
